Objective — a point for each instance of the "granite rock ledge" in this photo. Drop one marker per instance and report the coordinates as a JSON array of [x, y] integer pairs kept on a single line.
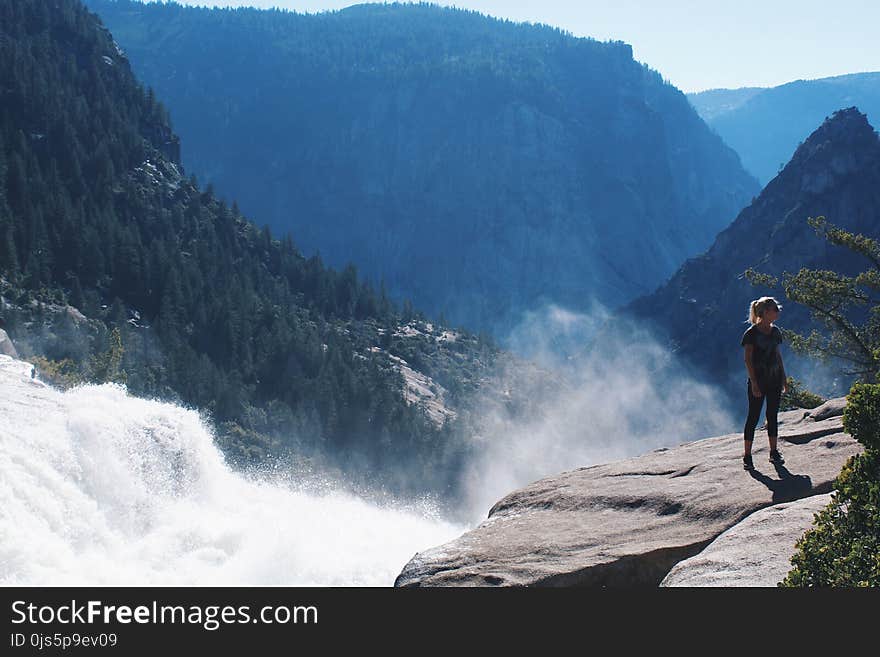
[[628, 523]]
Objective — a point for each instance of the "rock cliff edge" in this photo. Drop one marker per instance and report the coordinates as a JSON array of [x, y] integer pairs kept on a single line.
[[628, 523]]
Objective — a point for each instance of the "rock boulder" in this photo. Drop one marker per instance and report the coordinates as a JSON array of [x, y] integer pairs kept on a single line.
[[629, 522], [755, 552], [6, 346]]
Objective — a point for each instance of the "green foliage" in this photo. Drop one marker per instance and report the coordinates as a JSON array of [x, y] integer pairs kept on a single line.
[[843, 547], [796, 396], [106, 366], [64, 374], [244, 446], [861, 419]]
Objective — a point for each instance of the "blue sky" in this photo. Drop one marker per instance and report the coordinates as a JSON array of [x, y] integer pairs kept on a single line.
[[697, 44]]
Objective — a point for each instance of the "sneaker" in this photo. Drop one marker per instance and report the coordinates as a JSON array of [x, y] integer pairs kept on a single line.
[[747, 463], [776, 457]]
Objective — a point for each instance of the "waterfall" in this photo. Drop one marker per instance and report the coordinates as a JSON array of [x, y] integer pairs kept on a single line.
[[101, 488]]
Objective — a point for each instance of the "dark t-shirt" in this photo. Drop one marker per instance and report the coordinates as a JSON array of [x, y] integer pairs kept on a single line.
[[765, 352]]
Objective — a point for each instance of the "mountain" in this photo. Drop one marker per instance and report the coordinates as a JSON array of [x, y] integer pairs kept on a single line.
[[765, 126], [716, 102], [479, 167], [116, 267], [700, 311]]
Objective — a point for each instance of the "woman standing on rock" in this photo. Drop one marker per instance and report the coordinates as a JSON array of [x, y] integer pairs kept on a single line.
[[766, 374]]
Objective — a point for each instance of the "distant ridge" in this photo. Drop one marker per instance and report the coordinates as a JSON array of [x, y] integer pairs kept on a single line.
[[765, 125], [480, 167]]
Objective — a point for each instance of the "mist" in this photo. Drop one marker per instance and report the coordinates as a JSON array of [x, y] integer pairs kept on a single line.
[[621, 396], [139, 486]]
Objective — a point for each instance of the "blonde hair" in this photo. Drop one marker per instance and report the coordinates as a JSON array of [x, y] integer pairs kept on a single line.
[[758, 306]]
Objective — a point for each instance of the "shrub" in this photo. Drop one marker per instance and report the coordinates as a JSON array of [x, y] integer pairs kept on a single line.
[[843, 547]]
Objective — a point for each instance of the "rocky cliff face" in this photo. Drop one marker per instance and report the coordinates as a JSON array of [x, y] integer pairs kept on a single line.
[[700, 312], [480, 168], [631, 522]]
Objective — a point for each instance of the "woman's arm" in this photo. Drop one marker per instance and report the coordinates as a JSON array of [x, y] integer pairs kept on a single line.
[[749, 367]]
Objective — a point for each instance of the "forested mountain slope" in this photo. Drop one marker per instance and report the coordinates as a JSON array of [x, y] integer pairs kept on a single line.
[[479, 167], [116, 267]]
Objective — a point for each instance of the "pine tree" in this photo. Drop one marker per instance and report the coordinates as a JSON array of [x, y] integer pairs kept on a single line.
[[847, 306]]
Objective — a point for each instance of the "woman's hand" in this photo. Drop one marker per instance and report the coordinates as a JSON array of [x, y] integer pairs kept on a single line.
[[756, 391], [784, 387]]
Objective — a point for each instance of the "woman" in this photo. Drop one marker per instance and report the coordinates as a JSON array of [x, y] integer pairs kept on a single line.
[[766, 374]]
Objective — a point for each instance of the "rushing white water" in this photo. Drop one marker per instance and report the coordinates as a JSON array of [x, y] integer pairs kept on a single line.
[[101, 488]]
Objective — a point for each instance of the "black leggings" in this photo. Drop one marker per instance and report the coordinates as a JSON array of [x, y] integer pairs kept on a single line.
[[772, 393]]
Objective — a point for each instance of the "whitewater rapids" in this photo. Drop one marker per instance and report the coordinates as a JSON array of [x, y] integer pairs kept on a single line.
[[101, 488]]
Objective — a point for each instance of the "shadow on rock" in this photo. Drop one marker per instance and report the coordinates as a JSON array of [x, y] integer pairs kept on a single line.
[[788, 487]]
